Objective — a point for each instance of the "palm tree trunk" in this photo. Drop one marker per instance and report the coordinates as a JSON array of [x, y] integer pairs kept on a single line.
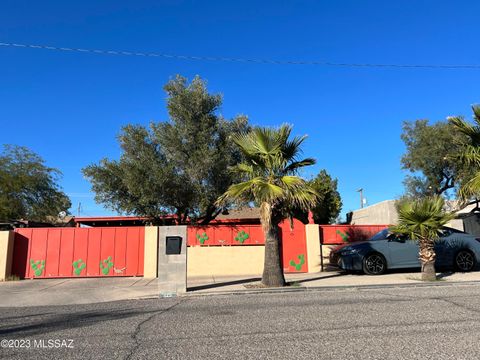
[[272, 268], [427, 258]]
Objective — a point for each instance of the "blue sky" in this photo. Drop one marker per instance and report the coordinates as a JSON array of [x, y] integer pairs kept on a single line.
[[69, 107]]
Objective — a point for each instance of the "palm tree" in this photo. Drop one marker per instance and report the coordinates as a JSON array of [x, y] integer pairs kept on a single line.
[[268, 175], [423, 219], [471, 153]]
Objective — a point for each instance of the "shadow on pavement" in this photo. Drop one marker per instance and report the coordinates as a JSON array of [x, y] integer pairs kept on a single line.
[[445, 274], [220, 284], [319, 278], [69, 321]]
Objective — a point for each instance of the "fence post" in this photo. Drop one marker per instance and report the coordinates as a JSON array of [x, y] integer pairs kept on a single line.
[[6, 254], [150, 265], [312, 233]]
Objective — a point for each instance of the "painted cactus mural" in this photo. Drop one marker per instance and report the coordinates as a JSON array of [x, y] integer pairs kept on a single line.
[[345, 237], [298, 266], [78, 266], [202, 238], [37, 266], [106, 265], [241, 237]]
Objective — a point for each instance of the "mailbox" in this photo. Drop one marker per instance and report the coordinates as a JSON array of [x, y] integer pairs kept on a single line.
[[173, 245]]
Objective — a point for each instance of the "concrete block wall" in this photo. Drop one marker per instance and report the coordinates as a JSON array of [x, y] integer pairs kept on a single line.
[[172, 269]]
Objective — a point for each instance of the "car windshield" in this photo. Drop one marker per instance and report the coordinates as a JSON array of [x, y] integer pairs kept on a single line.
[[381, 235]]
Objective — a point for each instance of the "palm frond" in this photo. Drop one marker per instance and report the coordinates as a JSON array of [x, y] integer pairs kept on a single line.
[[292, 148], [476, 114], [470, 155], [472, 131], [243, 169], [470, 188], [423, 218], [461, 125], [294, 166], [235, 192], [302, 199]]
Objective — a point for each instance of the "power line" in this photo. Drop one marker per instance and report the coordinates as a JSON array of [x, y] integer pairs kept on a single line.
[[242, 60]]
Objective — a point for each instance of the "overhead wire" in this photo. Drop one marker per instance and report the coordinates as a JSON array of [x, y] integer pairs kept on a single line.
[[240, 60]]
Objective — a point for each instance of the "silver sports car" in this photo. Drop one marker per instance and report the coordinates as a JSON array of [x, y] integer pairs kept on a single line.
[[455, 250]]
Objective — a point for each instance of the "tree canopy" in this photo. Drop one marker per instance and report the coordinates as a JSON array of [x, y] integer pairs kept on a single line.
[[428, 158], [329, 203], [179, 166], [28, 188], [469, 153]]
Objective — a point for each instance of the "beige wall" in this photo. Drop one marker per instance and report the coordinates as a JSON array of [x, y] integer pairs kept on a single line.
[[150, 262], [6, 253], [456, 224], [225, 260], [312, 233], [383, 213]]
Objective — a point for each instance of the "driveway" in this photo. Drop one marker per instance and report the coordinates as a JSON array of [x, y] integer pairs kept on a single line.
[[44, 292]]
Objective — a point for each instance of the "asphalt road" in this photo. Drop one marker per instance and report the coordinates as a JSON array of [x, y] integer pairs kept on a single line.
[[386, 323]]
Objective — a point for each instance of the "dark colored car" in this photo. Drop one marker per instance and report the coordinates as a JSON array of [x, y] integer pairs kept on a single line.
[[455, 250]]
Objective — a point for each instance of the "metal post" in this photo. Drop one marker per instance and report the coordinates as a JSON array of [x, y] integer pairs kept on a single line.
[[361, 197]]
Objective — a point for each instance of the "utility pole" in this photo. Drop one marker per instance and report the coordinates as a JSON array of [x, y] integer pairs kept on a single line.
[[78, 209], [361, 197]]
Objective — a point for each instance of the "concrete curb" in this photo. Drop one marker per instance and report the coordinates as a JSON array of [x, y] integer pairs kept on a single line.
[[328, 288]]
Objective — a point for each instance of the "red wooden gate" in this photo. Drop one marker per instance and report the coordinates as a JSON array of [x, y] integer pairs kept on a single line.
[[78, 252]]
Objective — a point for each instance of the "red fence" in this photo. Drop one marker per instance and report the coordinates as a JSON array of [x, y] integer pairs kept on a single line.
[[78, 252], [294, 247], [342, 234]]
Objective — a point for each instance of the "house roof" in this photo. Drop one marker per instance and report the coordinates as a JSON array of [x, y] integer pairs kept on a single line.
[[240, 214], [235, 215]]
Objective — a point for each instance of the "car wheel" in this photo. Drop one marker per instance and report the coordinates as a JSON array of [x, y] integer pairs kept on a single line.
[[374, 264], [464, 261]]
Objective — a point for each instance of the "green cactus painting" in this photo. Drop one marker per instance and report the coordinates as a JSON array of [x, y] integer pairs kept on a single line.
[[241, 237], [298, 266], [78, 265], [37, 266], [343, 236], [106, 265], [202, 238]]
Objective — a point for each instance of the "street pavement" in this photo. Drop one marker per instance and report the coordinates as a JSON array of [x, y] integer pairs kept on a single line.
[[427, 322]]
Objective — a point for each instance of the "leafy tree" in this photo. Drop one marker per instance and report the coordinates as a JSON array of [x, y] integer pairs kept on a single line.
[[28, 188], [269, 179], [428, 158], [469, 153], [329, 202], [179, 166], [423, 219]]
